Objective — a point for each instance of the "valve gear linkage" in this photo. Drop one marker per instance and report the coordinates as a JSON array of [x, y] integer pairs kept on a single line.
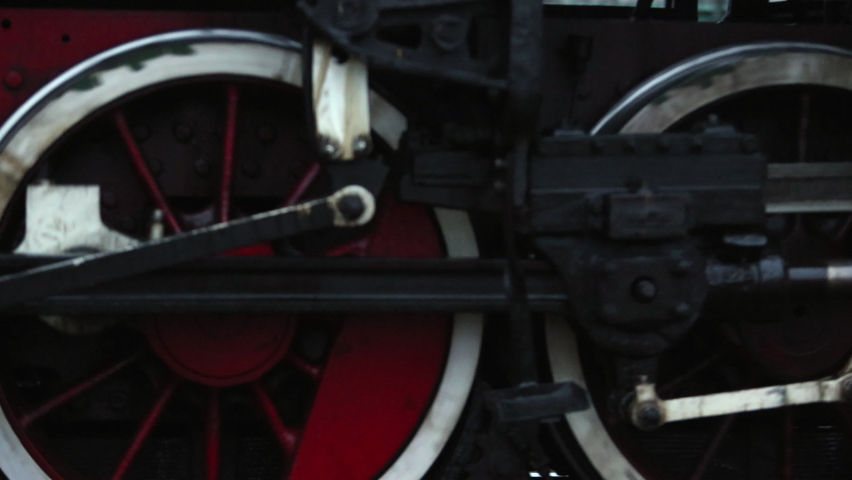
[[350, 206]]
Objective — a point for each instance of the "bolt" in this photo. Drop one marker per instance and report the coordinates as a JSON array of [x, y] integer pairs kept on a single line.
[[141, 132], [449, 32], [362, 145], [351, 207], [14, 79], [609, 312], [500, 164], [846, 390], [750, 144], [683, 267], [202, 167], [266, 133], [329, 148], [682, 310], [644, 290], [647, 416], [499, 185], [250, 168], [182, 132], [108, 199]]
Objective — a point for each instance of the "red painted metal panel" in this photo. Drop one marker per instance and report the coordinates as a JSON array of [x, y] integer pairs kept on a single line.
[[382, 373]]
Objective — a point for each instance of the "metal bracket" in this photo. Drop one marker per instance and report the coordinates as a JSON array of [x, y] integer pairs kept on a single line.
[[341, 102], [649, 411]]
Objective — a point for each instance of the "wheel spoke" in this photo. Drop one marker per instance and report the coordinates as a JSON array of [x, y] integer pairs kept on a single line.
[[75, 391], [710, 451], [228, 154], [213, 436], [311, 370], [288, 438], [143, 171], [145, 430], [303, 184]]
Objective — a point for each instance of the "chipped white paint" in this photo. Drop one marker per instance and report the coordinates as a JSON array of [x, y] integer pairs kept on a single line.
[[57, 107], [67, 218], [586, 425], [741, 401], [341, 103]]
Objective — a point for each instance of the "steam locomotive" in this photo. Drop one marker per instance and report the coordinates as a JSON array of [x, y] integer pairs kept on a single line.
[[425, 239]]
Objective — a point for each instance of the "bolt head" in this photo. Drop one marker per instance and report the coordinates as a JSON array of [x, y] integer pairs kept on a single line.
[[362, 145], [449, 32], [647, 416], [351, 207], [644, 290], [13, 79], [182, 132], [329, 148]]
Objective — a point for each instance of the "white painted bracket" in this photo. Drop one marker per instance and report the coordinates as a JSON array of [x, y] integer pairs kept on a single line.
[[341, 96], [649, 406], [62, 219]]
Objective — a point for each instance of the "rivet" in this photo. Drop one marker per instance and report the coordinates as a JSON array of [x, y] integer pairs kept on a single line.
[[182, 132], [14, 79]]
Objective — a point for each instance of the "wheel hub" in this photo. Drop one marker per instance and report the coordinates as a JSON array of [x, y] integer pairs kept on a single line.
[[221, 351]]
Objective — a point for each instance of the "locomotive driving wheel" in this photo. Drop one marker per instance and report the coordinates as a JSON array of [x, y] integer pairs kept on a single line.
[[181, 131], [794, 98]]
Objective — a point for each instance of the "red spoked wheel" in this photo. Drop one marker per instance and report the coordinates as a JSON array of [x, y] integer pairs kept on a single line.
[[182, 131]]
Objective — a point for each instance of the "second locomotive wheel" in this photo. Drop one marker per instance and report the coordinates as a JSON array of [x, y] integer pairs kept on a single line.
[[794, 98], [181, 131]]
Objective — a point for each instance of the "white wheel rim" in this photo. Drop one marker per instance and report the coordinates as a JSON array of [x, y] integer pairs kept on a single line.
[[652, 107], [102, 79]]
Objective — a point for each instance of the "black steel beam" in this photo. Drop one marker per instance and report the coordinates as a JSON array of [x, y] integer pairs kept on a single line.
[[270, 284]]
